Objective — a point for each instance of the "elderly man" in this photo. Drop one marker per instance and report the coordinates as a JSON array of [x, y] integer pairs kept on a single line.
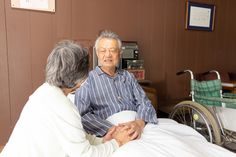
[[109, 90], [107, 94]]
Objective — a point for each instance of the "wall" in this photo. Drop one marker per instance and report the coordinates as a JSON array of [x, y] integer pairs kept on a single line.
[[171, 48], [27, 37], [5, 118]]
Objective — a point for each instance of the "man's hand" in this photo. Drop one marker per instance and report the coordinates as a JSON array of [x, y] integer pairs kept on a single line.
[[135, 128]]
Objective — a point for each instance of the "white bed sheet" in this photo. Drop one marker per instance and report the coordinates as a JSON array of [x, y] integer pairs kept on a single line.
[[167, 139]]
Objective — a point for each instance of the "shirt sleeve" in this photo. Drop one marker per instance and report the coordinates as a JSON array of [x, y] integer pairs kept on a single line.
[[145, 109], [92, 123]]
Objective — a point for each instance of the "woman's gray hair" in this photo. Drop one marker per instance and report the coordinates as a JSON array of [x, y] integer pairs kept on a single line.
[[67, 65], [108, 35]]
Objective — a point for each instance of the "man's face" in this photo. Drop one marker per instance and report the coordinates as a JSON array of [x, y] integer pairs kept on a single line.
[[108, 53]]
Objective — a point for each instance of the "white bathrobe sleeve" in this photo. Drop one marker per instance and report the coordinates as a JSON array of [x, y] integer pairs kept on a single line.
[[50, 125], [93, 140], [67, 125]]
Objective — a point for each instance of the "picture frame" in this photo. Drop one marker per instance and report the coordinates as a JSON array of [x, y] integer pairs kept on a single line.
[[38, 5], [200, 16]]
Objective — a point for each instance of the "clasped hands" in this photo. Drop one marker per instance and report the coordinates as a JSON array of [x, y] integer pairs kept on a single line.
[[125, 132]]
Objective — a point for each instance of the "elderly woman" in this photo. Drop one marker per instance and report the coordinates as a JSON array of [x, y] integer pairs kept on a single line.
[[50, 124]]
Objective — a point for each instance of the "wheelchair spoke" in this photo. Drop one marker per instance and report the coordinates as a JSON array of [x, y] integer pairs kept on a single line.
[[179, 117], [183, 115], [191, 117]]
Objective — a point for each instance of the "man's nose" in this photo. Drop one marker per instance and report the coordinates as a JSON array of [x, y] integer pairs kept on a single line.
[[108, 53]]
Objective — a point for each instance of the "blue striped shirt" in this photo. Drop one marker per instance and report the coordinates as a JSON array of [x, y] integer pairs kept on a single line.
[[102, 95]]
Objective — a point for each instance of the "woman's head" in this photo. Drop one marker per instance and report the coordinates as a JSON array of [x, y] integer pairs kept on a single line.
[[67, 65]]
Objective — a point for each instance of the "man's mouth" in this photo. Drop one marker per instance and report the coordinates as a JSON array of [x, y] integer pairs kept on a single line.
[[107, 60]]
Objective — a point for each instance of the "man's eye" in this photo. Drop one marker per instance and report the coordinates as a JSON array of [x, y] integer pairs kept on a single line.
[[112, 50], [109, 50], [102, 51]]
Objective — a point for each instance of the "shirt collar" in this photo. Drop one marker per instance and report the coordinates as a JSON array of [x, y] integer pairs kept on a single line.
[[100, 72]]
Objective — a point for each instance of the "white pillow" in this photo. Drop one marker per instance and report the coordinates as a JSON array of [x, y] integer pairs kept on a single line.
[[122, 117]]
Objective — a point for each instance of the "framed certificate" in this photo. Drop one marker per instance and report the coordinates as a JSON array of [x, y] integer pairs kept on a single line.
[[200, 16], [40, 5]]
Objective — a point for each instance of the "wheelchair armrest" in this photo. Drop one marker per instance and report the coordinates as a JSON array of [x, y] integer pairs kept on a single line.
[[229, 95], [215, 101]]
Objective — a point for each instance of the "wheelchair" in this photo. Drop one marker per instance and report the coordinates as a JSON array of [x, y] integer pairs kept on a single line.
[[202, 112]]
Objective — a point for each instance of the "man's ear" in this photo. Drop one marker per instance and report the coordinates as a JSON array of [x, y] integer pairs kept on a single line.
[[121, 53], [96, 52]]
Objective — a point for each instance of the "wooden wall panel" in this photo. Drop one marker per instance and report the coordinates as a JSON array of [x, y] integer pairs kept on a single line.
[[89, 17], [170, 43], [145, 24], [156, 65], [5, 117], [19, 58], [41, 41], [62, 21]]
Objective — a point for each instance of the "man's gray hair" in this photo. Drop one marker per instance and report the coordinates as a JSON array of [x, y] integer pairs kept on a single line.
[[108, 35], [67, 65]]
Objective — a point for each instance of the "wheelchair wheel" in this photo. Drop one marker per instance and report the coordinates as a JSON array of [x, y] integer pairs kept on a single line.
[[199, 118]]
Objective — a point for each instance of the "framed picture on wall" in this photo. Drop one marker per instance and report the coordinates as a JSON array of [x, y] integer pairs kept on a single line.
[[39, 5], [200, 16]]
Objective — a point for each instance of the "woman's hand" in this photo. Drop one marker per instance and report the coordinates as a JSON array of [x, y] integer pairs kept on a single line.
[[136, 128], [125, 132], [108, 136], [122, 135]]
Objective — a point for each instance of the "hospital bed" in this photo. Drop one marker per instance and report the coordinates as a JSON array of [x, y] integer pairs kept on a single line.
[[166, 139]]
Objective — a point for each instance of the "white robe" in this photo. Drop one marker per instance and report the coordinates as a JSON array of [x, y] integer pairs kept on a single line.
[[50, 126]]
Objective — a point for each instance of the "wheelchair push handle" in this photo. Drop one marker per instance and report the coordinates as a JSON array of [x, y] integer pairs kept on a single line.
[[185, 71], [212, 71], [180, 73]]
